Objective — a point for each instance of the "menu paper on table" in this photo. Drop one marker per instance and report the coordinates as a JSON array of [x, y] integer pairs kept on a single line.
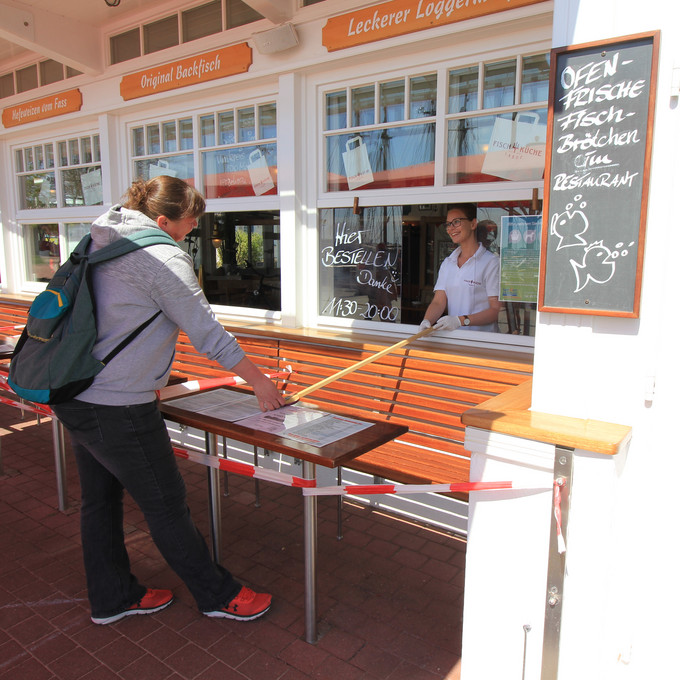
[[308, 426], [221, 403], [305, 425]]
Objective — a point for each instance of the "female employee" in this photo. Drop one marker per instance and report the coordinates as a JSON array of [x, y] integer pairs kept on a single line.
[[468, 283], [119, 437]]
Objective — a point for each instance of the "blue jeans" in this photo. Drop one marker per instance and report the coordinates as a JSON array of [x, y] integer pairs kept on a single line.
[[128, 447]]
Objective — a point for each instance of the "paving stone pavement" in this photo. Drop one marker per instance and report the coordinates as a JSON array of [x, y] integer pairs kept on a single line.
[[390, 593]]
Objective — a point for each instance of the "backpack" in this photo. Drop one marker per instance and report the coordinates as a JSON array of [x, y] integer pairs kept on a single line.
[[53, 361]]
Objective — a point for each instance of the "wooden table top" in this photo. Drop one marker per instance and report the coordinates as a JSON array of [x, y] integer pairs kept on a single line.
[[331, 455]]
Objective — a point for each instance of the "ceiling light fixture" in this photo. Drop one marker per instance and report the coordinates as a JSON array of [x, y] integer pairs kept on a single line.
[[112, 3]]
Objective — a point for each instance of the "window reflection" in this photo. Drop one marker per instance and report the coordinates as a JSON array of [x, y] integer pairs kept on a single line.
[[499, 84], [397, 156], [237, 258], [41, 251], [381, 265]]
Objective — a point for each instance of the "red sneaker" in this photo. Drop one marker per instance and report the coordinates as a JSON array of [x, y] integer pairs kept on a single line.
[[153, 601], [246, 606]]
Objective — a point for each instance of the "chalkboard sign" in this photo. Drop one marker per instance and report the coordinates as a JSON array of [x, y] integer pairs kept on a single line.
[[595, 198]]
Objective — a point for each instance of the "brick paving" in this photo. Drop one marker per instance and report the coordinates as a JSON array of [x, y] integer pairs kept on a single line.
[[390, 593]]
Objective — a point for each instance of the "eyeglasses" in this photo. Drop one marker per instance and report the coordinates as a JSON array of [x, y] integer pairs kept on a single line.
[[455, 222]]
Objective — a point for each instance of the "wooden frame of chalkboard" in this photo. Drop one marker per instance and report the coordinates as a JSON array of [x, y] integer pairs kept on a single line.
[[600, 124]]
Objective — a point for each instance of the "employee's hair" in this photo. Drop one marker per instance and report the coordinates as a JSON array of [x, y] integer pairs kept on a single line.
[[164, 195], [468, 209]]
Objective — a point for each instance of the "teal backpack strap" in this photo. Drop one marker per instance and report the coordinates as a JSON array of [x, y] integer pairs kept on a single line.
[[140, 239]]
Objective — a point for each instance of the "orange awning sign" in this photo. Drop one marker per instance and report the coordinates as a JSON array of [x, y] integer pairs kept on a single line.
[[47, 107], [217, 64], [399, 17]]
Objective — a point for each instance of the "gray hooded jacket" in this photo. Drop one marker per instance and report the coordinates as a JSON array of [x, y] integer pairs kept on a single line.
[[131, 289]]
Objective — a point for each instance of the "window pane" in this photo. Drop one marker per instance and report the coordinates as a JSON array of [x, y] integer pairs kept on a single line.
[[186, 134], [202, 21], [181, 166], [63, 154], [370, 290], [363, 105], [86, 149], [392, 99], [239, 14], [71, 72], [169, 137], [28, 155], [19, 160], [39, 158], [510, 146], [74, 233], [336, 110], [499, 84], [27, 78], [403, 248], [396, 157], [97, 149], [246, 124], [41, 243], [37, 191], [535, 78], [241, 171], [267, 121], [125, 46], [81, 186], [225, 122], [207, 124], [423, 96], [468, 141], [463, 90], [7, 85], [160, 35], [138, 141], [73, 152], [49, 155], [243, 263], [153, 139], [51, 72]]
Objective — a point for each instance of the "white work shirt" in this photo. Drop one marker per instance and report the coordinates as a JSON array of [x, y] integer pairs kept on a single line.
[[468, 288]]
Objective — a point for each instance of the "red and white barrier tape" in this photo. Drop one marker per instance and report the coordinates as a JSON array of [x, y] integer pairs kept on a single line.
[[4, 329], [309, 487], [40, 409], [242, 468]]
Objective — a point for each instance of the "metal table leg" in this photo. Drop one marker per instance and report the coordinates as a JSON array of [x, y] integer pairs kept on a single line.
[[214, 498], [310, 524], [60, 462]]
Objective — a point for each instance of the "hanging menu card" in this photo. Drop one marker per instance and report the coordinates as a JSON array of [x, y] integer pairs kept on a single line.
[[599, 141]]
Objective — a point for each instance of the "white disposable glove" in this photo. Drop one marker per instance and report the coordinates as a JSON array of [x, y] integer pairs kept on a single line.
[[447, 323], [424, 325]]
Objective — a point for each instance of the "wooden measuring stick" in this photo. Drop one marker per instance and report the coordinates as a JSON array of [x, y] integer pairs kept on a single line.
[[346, 371]]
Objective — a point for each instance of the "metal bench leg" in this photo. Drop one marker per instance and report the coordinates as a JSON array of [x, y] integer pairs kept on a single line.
[[225, 474], [214, 499], [60, 462], [339, 505], [257, 481]]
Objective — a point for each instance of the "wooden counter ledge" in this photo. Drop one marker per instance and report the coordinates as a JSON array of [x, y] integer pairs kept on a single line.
[[509, 413]]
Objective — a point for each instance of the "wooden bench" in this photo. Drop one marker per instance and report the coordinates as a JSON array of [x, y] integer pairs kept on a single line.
[[13, 314], [425, 385]]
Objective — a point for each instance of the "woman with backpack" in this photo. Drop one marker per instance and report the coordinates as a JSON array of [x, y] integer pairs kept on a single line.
[[118, 434]]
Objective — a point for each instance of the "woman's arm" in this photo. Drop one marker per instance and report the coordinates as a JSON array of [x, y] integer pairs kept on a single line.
[[436, 308]]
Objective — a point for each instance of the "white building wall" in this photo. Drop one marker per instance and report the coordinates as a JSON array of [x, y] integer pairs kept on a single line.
[[618, 619]]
